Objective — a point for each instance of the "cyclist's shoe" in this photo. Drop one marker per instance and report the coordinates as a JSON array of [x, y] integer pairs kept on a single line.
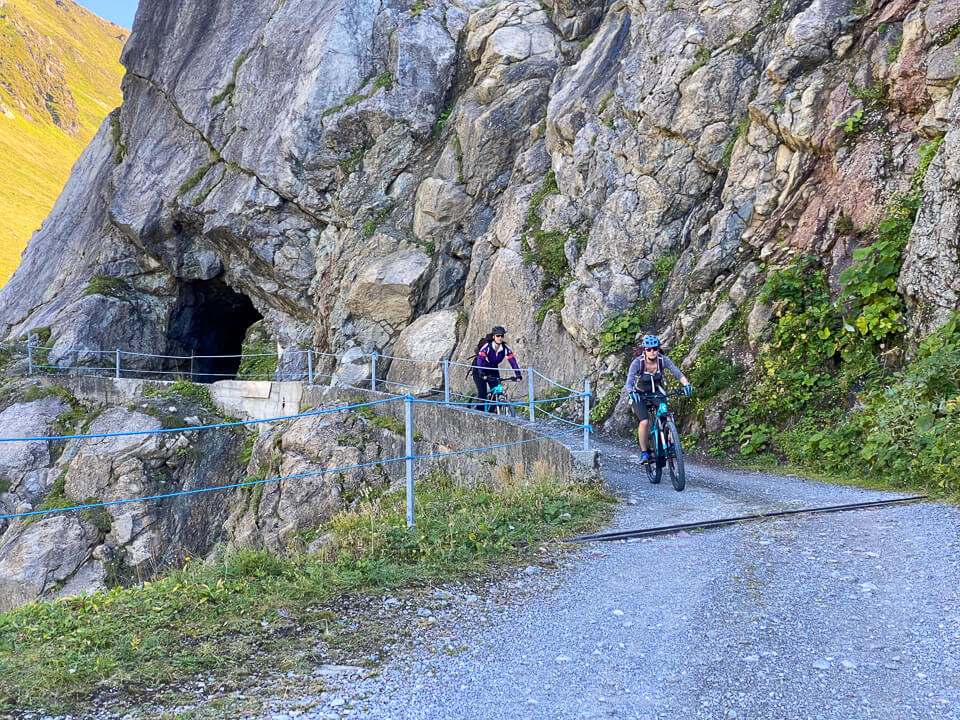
[[645, 457]]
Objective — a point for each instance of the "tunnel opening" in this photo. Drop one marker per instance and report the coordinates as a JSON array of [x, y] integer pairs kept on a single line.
[[210, 319]]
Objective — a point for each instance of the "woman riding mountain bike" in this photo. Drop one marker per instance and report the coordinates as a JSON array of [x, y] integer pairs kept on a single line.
[[646, 376], [491, 351]]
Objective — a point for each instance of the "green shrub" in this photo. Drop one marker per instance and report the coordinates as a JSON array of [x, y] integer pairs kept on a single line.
[[620, 331], [260, 354], [907, 433]]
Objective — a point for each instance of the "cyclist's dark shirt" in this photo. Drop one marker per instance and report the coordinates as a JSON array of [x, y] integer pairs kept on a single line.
[[639, 380]]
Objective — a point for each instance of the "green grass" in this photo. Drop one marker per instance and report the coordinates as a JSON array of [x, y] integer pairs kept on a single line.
[[260, 350], [212, 618], [37, 154]]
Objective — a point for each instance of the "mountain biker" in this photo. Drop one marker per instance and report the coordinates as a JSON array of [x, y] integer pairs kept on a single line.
[[486, 373], [646, 376]]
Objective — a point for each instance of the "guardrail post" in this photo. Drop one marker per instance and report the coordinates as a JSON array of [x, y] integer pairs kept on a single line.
[[530, 393], [193, 353], [446, 381], [118, 363], [309, 366], [408, 427], [29, 353], [373, 372], [586, 413]]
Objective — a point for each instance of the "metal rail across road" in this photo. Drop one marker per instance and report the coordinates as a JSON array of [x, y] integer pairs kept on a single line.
[[705, 524]]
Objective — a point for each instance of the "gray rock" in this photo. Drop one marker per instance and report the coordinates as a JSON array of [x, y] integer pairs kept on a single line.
[[427, 341]]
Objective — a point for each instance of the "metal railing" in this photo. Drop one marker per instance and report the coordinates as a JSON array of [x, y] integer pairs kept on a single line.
[[302, 367]]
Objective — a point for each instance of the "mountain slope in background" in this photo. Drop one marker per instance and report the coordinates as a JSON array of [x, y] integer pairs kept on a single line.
[[59, 77]]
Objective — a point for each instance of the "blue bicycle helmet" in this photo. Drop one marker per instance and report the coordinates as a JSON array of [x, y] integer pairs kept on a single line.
[[651, 341]]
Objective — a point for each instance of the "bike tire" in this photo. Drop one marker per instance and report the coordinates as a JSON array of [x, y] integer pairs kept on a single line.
[[501, 407], [651, 476], [678, 475]]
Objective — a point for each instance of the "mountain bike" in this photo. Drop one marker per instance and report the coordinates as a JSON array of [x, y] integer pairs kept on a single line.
[[665, 442], [498, 400]]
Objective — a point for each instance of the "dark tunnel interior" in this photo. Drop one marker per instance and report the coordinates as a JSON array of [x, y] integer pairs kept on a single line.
[[210, 319]]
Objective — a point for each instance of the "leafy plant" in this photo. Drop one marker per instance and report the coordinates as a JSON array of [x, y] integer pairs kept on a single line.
[[852, 125], [621, 329], [739, 131], [371, 225], [442, 121]]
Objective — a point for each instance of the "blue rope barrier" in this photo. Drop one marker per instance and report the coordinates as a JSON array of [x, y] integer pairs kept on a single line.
[[199, 491], [202, 427], [299, 476]]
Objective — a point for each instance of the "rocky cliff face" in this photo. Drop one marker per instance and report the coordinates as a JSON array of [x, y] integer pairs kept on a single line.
[[344, 170]]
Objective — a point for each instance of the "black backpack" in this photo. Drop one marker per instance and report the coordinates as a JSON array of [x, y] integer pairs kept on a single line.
[[476, 352]]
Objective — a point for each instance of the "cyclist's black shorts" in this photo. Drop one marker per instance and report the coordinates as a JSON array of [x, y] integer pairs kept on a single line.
[[641, 410]]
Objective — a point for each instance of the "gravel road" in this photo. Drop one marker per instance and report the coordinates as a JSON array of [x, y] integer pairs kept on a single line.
[[848, 615]]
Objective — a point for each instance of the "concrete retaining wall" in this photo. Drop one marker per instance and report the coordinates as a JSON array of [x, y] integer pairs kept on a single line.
[[441, 428]]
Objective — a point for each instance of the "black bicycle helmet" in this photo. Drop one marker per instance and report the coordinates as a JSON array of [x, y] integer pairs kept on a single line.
[[498, 330]]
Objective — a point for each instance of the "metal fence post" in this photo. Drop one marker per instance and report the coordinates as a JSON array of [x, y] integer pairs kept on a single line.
[[446, 381], [530, 393], [408, 426], [118, 363], [193, 353], [310, 366], [586, 413], [373, 372], [29, 353]]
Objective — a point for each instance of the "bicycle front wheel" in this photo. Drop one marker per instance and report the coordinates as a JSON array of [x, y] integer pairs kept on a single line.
[[678, 474]]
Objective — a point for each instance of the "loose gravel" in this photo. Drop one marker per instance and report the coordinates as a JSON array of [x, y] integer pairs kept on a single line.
[[849, 615], [854, 615]]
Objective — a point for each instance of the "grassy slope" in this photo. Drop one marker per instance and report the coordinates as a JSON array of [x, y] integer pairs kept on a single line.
[[37, 155], [285, 610]]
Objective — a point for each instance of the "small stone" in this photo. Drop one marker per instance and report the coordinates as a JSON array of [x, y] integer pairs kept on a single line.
[[847, 665], [618, 613], [338, 702], [821, 665], [532, 570], [562, 659], [471, 599], [424, 612]]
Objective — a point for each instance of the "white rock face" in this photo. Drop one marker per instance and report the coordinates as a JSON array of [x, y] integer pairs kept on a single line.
[[347, 170], [386, 289], [47, 552], [426, 341]]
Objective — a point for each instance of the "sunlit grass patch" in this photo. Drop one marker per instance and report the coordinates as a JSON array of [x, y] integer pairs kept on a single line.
[[210, 618]]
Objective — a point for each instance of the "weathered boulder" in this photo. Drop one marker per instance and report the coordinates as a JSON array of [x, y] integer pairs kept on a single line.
[[24, 466], [388, 289], [35, 559], [427, 341], [930, 278]]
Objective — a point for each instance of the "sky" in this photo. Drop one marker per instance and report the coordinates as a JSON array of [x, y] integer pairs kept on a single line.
[[116, 11]]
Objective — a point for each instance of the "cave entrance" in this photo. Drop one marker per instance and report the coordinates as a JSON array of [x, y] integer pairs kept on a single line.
[[210, 319]]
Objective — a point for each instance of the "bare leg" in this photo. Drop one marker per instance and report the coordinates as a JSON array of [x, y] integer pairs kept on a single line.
[[642, 435]]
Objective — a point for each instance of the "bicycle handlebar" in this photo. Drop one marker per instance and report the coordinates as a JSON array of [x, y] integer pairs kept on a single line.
[[657, 396]]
